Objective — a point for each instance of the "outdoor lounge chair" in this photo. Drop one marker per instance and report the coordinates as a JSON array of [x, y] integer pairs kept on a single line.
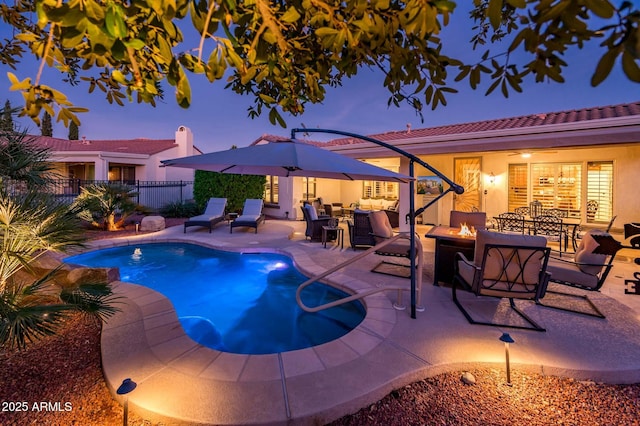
[[588, 269], [511, 266], [251, 215], [213, 214]]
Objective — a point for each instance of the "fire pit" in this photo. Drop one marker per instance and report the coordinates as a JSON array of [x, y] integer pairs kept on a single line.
[[449, 241]]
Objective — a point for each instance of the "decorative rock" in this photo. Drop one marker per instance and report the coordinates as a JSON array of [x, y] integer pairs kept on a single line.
[[152, 223], [468, 378]]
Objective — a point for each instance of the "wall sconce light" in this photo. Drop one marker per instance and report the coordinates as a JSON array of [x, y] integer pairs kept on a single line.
[[127, 386], [507, 339], [492, 178]]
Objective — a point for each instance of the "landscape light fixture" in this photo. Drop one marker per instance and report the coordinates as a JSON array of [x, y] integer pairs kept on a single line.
[[507, 339], [127, 386]]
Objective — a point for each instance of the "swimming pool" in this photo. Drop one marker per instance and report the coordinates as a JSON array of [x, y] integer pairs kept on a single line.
[[233, 302]]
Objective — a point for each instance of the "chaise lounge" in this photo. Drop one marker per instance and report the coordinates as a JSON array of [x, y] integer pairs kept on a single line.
[[213, 214], [251, 215]]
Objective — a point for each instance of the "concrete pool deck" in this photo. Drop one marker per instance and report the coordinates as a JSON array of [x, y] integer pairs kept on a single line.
[[182, 382]]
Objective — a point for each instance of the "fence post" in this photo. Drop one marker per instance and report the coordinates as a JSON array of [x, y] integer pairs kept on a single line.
[[181, 189]]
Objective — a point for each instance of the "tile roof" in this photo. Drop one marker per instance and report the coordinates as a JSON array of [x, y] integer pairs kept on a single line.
[[525, 121], [131, 146]]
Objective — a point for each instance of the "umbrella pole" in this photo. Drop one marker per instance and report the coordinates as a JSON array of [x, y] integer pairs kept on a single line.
[[412, 239], [412, 214]]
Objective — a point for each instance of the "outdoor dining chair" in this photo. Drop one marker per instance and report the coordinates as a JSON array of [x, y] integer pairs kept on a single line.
[[510, 223], [551, 228], [509, 266]]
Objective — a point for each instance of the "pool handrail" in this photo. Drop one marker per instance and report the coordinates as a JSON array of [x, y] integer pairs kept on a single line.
[[398, 304]]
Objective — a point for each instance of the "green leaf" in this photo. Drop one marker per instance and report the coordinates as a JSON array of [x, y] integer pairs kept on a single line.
[[494, 13], [291, 15], [602, 8], [630, 67], [604, 67]]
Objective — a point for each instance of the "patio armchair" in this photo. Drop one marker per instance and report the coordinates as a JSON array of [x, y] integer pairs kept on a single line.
[[588, 269], [476, 219], [360, 232], [251, 216], [401, 247], [213, 214], [507, 266], [315, 224], [578, 232]]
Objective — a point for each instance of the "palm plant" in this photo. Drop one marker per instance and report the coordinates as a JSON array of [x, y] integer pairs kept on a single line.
[[33, 223], [100, 203]]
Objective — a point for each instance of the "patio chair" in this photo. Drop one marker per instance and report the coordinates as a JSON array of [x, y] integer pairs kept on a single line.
[[524, 211], [381, 232], [551, 228], [630, 230], [251, 216], [556, 212], [213, 214], [578, 232], [588, 269], [507, 266], [510, 223], [360, 232], [315, 224], [476, 219], [592, 209]]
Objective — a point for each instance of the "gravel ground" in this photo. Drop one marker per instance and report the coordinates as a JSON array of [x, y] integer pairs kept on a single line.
[[58, 381]]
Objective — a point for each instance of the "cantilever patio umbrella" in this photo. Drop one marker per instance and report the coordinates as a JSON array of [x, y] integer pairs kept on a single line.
[[286, 158]]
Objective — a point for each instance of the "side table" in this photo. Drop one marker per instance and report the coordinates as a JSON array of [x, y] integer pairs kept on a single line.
[[338, 230], [230, 217]]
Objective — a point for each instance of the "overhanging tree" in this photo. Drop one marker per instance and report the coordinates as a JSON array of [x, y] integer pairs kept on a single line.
[[286, 53]]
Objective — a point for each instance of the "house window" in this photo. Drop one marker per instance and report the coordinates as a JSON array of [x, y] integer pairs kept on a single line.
[[555, 185], [379, 189], [122, 173], [271, 190], [518, 186], [600, 191], [308, 188]]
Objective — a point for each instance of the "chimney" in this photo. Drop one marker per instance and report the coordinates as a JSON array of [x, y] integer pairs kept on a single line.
[[184, 139]]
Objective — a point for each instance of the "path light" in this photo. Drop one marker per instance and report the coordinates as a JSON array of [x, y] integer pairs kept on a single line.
[[507, 339], [127, 386]]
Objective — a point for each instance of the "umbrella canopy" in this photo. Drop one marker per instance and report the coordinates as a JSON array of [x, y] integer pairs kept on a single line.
[[287, 158]]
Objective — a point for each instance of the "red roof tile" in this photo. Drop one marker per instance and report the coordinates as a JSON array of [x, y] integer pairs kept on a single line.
[[131, 146], [533, 120]]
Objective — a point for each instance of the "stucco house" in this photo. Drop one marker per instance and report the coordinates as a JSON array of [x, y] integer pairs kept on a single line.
[[131, 161], [585, 161]]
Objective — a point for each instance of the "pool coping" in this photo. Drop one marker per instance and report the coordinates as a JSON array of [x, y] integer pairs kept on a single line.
[[167, 342], [320, 384]]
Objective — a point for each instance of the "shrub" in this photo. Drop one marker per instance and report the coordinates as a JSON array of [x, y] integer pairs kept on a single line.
[[181, 209]]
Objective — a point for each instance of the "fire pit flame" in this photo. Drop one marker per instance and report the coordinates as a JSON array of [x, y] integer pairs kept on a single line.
[[466, 231]]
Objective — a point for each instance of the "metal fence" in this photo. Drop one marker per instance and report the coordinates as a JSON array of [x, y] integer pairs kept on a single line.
[[151, 194]]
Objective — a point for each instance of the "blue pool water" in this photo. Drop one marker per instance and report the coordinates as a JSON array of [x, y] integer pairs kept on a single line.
[[233, 302]]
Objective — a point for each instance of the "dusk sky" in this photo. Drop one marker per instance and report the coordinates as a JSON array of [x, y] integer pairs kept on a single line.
[[218, 117]]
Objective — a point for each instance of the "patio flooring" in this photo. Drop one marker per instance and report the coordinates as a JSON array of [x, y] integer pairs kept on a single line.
[[182, 382]]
